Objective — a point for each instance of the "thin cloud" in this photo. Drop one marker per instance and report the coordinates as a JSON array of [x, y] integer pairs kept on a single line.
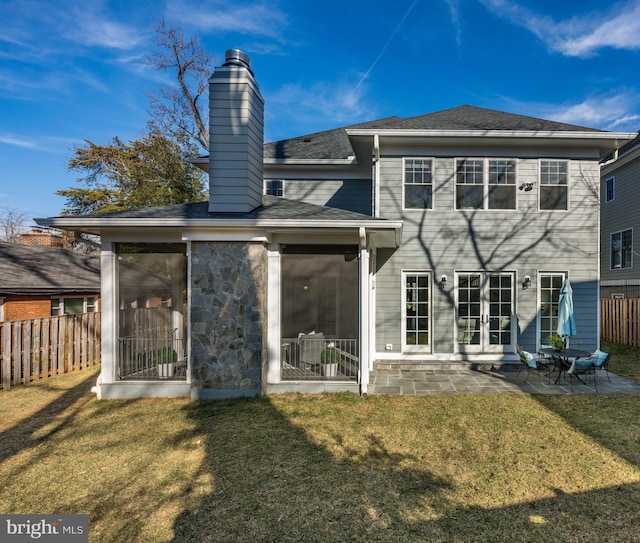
[[74, 21], [15, 141], [382, 51], [618, 112], [312, 107], [454, 12], [96, 30], [258, 18], [627, 120], [581, 36]]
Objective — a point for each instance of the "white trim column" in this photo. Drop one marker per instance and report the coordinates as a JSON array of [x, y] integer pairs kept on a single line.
[[109, 312], [364, 312], [273, 310]]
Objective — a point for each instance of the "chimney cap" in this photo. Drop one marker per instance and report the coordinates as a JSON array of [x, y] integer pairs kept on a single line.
[[235, 57]]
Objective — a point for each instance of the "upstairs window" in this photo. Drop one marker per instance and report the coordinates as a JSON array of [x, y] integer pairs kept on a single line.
[[418, 183], [611, 189], [485, 184], [554, 185], [621, 249], [274, 187]]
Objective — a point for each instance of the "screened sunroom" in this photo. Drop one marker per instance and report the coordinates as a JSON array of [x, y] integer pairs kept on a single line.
[[152, 309]]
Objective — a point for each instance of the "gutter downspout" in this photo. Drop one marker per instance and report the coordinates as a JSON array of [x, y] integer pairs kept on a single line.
[[376, 175]]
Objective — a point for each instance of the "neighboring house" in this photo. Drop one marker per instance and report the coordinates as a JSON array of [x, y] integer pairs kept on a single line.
[[443, 237], [43, 281], [620, 224]]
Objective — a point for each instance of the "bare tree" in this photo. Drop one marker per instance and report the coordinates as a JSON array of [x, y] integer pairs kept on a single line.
[[12, 224], [179, 108]]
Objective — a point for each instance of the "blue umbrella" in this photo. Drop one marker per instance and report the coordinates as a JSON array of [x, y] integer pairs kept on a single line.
[[566, 322]]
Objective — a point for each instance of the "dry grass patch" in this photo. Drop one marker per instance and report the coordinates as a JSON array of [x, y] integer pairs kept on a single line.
[[293, 468]]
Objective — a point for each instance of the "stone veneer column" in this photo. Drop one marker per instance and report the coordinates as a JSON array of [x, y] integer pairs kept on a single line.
[[228, 318]]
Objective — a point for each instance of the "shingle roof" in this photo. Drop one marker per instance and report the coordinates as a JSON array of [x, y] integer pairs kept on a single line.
[[273, 208], [630, 146], [335, 144], [476, 118], [25, 269], [330, 144]]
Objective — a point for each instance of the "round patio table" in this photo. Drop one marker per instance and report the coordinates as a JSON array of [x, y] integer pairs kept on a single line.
[[561, 358]]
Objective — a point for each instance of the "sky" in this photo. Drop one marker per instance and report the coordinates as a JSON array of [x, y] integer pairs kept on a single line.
[[74, 70]]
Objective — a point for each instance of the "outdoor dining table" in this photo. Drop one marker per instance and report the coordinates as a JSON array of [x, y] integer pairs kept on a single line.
[[561, 358]]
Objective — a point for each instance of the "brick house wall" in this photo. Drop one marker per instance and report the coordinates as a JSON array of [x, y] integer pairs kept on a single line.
[[17, 307], [38, 238], [26, 307]]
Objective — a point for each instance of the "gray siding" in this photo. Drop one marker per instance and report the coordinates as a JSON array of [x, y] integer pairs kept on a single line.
[[349, 194], [526, 241], [622, 213]]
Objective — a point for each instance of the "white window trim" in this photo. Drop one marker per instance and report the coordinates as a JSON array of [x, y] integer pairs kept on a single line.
[[606, 189], [539, 301], [485, 182], [630, 267], [568, 163], [415, 348], [404, 184], [84, 303], [264, 186]]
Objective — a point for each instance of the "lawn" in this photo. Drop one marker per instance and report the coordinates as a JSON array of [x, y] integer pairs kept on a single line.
[[292, 468]]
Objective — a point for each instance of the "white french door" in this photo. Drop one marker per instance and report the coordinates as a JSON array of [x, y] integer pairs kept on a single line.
[[485, 312], [416, 312]]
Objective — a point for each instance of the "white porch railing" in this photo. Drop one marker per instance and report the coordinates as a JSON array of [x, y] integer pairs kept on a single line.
[[142, 358], [319, 359]]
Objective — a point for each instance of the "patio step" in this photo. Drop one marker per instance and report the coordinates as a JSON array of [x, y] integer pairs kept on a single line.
[[440, 365]]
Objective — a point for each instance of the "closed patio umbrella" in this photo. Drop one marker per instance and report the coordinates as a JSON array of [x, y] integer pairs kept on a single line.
[[566, 322]]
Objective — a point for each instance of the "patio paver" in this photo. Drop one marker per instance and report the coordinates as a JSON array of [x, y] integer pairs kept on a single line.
[[489, 381]]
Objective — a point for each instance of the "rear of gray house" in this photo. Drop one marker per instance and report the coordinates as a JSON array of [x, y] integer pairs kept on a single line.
[[442, 237]]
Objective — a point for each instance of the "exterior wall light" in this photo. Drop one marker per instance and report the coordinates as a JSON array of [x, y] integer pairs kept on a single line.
[[526, 283], [443, 281]]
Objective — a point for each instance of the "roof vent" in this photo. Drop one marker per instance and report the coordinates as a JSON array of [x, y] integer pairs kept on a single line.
[[235, 57]]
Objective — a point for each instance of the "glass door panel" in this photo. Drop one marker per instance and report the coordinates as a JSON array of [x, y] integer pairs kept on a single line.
[[500, 296], [469, 310], [550, 285], [485, 312], [417, 310]]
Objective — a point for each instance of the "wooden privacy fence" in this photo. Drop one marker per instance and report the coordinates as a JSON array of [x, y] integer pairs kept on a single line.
[[620, 321], [31, 350]]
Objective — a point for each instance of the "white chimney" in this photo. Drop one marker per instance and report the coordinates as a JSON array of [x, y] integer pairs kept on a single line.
[[236, 136]]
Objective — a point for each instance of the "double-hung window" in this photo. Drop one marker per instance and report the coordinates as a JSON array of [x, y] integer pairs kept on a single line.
[[554, 184], [418, 183], [611, 189], [621, 249], [274, 187], [483, 183]]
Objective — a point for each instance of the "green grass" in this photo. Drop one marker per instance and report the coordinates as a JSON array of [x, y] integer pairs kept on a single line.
[[292, 468]]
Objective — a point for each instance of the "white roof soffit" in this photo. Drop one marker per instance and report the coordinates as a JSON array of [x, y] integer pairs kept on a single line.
[[313, 161], [203, 162], [390, 231], [555, 134]]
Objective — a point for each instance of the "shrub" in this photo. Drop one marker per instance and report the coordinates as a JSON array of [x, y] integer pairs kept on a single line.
[[330, 356]]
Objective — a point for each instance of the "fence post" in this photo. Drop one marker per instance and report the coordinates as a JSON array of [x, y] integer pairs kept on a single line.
[[36, 330], [6, 355]]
